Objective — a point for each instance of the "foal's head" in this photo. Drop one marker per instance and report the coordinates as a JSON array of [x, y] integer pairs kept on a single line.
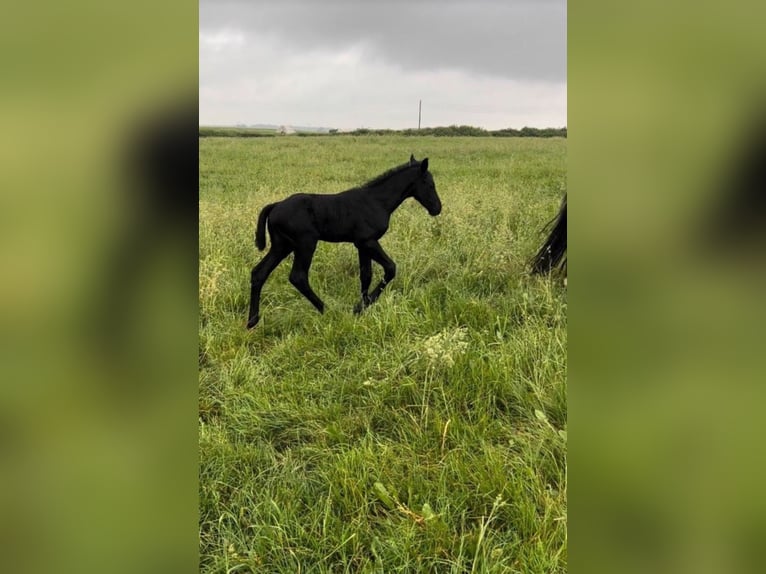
[[424, 189]]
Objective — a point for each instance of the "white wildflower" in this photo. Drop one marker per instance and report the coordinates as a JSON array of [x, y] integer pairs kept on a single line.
[[442, 349]]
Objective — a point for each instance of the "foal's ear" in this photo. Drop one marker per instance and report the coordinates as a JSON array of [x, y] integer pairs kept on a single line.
[[412, 159], [424, 166]]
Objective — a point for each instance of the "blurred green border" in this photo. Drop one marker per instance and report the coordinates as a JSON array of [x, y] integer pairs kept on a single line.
[[98, 442], [665, 388]]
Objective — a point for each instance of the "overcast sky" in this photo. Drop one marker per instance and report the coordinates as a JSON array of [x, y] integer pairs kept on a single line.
[[350, 64]]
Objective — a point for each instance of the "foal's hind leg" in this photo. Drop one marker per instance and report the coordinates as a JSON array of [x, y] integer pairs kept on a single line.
[[259, 275], [299, 276]]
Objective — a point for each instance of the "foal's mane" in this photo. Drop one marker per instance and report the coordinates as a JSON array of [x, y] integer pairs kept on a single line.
[[386, 175]]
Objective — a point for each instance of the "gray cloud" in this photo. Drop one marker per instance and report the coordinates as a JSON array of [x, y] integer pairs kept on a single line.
[[518, 40], [351, 64]]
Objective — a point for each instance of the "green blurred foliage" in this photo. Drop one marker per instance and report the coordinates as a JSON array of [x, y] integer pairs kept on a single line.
[[666, 322], [97, 426]]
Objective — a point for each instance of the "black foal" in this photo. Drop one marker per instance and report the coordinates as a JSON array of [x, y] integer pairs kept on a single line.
[[359, 216]]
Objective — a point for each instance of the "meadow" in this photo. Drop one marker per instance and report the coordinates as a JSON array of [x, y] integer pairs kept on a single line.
[[427, 434]]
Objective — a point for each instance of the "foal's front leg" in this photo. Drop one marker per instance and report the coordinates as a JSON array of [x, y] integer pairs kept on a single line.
[[365, 276], [372, 249]]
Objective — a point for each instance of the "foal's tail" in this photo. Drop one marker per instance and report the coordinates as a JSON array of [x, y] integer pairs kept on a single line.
[[553, 252], [260, 231]]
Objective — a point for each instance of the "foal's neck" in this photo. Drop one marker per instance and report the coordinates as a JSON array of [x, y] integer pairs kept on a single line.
[[394, 190]]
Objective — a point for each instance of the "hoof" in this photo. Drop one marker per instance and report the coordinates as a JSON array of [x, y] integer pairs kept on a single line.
[[363, 304], [253, 321]]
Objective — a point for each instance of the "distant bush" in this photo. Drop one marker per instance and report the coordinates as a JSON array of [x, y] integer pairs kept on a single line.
[[531, 132], [466, 131], [234, 132]]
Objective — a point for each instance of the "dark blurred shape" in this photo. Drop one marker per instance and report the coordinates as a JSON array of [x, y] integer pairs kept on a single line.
[[553, 253], [162, 157], [160, 161], [737, 223]]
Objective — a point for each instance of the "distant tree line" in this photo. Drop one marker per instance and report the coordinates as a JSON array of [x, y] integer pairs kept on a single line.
[[448, 131], [225, 132], [470, 131]]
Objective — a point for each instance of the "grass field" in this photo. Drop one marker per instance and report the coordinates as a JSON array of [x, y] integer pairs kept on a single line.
[[427, 434]]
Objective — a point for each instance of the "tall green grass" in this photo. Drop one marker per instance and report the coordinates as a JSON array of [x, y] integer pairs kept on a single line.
[[427, 434]]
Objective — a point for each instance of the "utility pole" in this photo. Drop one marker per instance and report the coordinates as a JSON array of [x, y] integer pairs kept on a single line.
[[420, 104]]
